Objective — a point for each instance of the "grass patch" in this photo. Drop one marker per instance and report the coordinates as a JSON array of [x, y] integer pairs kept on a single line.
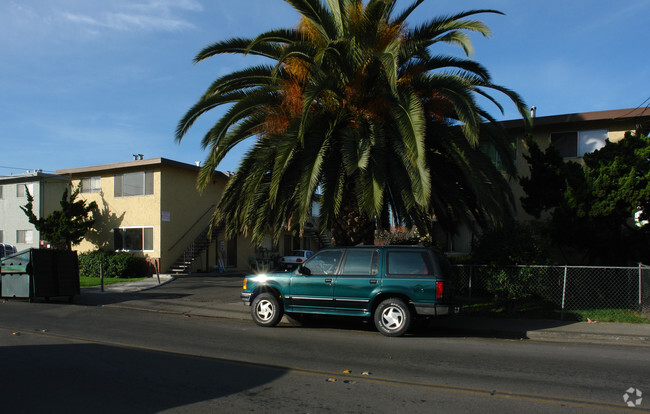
[[540, 309], [611, 315], [85, 281]]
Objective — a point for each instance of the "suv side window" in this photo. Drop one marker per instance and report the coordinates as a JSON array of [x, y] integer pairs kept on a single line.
[[416, 263], [324, 263], [361, 262]]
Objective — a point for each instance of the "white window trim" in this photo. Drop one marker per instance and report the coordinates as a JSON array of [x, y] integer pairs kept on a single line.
[[137, 227]]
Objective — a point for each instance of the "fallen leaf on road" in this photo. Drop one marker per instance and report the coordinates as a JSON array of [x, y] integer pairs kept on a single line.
[[16, 333], [347, 371]]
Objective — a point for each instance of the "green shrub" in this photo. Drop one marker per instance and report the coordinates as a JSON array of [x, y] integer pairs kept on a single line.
[[113, 264], [513, 244]]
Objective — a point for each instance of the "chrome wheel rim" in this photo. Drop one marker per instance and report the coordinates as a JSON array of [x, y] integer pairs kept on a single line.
[[392, 318], [264, 310]]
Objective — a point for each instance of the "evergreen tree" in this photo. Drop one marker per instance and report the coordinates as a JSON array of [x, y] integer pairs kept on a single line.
[[593, 208], [65, 227]]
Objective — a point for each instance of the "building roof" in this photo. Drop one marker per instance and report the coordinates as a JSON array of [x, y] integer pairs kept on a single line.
[[617, 115], [134, 164], [35, 175]]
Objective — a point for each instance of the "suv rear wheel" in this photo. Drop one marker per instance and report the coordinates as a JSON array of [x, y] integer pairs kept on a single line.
[[266, 310], [392, 317]]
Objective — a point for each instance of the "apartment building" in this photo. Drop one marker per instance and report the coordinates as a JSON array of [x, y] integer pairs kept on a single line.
[[47, 190]]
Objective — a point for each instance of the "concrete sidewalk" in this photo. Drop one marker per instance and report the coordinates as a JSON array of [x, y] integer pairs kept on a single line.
[[140, 296]]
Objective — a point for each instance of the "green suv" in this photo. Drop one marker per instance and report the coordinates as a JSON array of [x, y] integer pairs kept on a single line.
[[390, 284]]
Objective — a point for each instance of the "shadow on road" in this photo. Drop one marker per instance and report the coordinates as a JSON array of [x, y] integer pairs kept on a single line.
[[94, 378]]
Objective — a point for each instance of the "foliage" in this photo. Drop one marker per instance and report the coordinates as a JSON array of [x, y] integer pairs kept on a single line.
[[592, 208], [514, 244], [359, 107], [65, 227], [113, 264], [400, 236]]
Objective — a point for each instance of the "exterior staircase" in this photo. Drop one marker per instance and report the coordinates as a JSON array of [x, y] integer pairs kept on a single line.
[[324, 239], [200, 244], [196, 248]]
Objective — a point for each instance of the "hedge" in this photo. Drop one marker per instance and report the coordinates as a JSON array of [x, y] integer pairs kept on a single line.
[[114, 264]]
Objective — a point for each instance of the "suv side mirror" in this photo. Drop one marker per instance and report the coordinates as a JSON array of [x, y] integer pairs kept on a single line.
[[304, 270]]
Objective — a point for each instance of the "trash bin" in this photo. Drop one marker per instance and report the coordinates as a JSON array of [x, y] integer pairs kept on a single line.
[[40, 273]]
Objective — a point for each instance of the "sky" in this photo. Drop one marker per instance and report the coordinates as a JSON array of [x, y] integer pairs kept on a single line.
[[91, 82]]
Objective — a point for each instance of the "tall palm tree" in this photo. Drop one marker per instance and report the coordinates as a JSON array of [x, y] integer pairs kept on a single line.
[[357, 109]]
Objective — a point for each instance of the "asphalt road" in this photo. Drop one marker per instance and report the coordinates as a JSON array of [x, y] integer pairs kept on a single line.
[[57, 357]]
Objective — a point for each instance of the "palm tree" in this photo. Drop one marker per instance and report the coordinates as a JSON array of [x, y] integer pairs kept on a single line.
[[356, 108]]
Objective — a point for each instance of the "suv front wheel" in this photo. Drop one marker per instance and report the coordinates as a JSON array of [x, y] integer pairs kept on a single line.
[[266, 310], [392, 317]]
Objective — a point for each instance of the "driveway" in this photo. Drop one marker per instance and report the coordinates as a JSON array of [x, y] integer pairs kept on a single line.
[[209, 294]]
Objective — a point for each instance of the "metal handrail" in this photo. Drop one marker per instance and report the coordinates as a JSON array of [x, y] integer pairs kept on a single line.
[[192, 227]]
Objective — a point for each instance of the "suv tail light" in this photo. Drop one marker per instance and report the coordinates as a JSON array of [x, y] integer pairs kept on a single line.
[[298, 260], [440, 289], [245, 282]]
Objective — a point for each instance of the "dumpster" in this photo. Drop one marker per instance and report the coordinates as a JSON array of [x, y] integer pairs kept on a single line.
[[40, 273]]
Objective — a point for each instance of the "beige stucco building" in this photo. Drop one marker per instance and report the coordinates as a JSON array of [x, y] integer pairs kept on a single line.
[[572, 134], [152, 208]]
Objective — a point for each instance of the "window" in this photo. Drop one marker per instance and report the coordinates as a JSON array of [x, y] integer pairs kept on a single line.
[[2, 236], [133, 239], [490, 150], [409, 263], [361, 262], [20, 189], [575, 144], [324, 263], [0, 192], [24, 236], [91, 184], [134, 184]]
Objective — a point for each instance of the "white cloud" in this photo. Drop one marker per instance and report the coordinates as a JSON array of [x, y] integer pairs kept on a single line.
[[129, 22]]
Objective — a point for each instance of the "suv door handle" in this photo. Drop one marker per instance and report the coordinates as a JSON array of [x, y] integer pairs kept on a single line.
[[373, 281], [328, 280]]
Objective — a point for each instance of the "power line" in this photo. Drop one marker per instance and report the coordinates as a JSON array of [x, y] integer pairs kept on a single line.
[[25, 169]]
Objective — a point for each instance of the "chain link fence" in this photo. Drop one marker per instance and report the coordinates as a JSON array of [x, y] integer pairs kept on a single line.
[[566, 292]]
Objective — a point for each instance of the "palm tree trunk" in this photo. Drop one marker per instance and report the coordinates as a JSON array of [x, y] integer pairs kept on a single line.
[[351, 227]]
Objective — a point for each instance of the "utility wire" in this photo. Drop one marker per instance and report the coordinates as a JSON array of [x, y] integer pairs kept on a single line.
[[24, 169]]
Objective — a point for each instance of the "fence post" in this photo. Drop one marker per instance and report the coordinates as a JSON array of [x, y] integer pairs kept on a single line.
[[563, 293], [471, 270], [640, 297]]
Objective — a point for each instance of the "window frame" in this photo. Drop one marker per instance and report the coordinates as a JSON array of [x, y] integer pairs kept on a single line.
[[26, 239], [147, 184], [20, 190], [93, 180], [123, 232], [580, 145], [491, 152], [373, 264], [429, 262]]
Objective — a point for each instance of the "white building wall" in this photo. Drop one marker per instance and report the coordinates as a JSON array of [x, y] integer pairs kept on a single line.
[[13, 221]]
